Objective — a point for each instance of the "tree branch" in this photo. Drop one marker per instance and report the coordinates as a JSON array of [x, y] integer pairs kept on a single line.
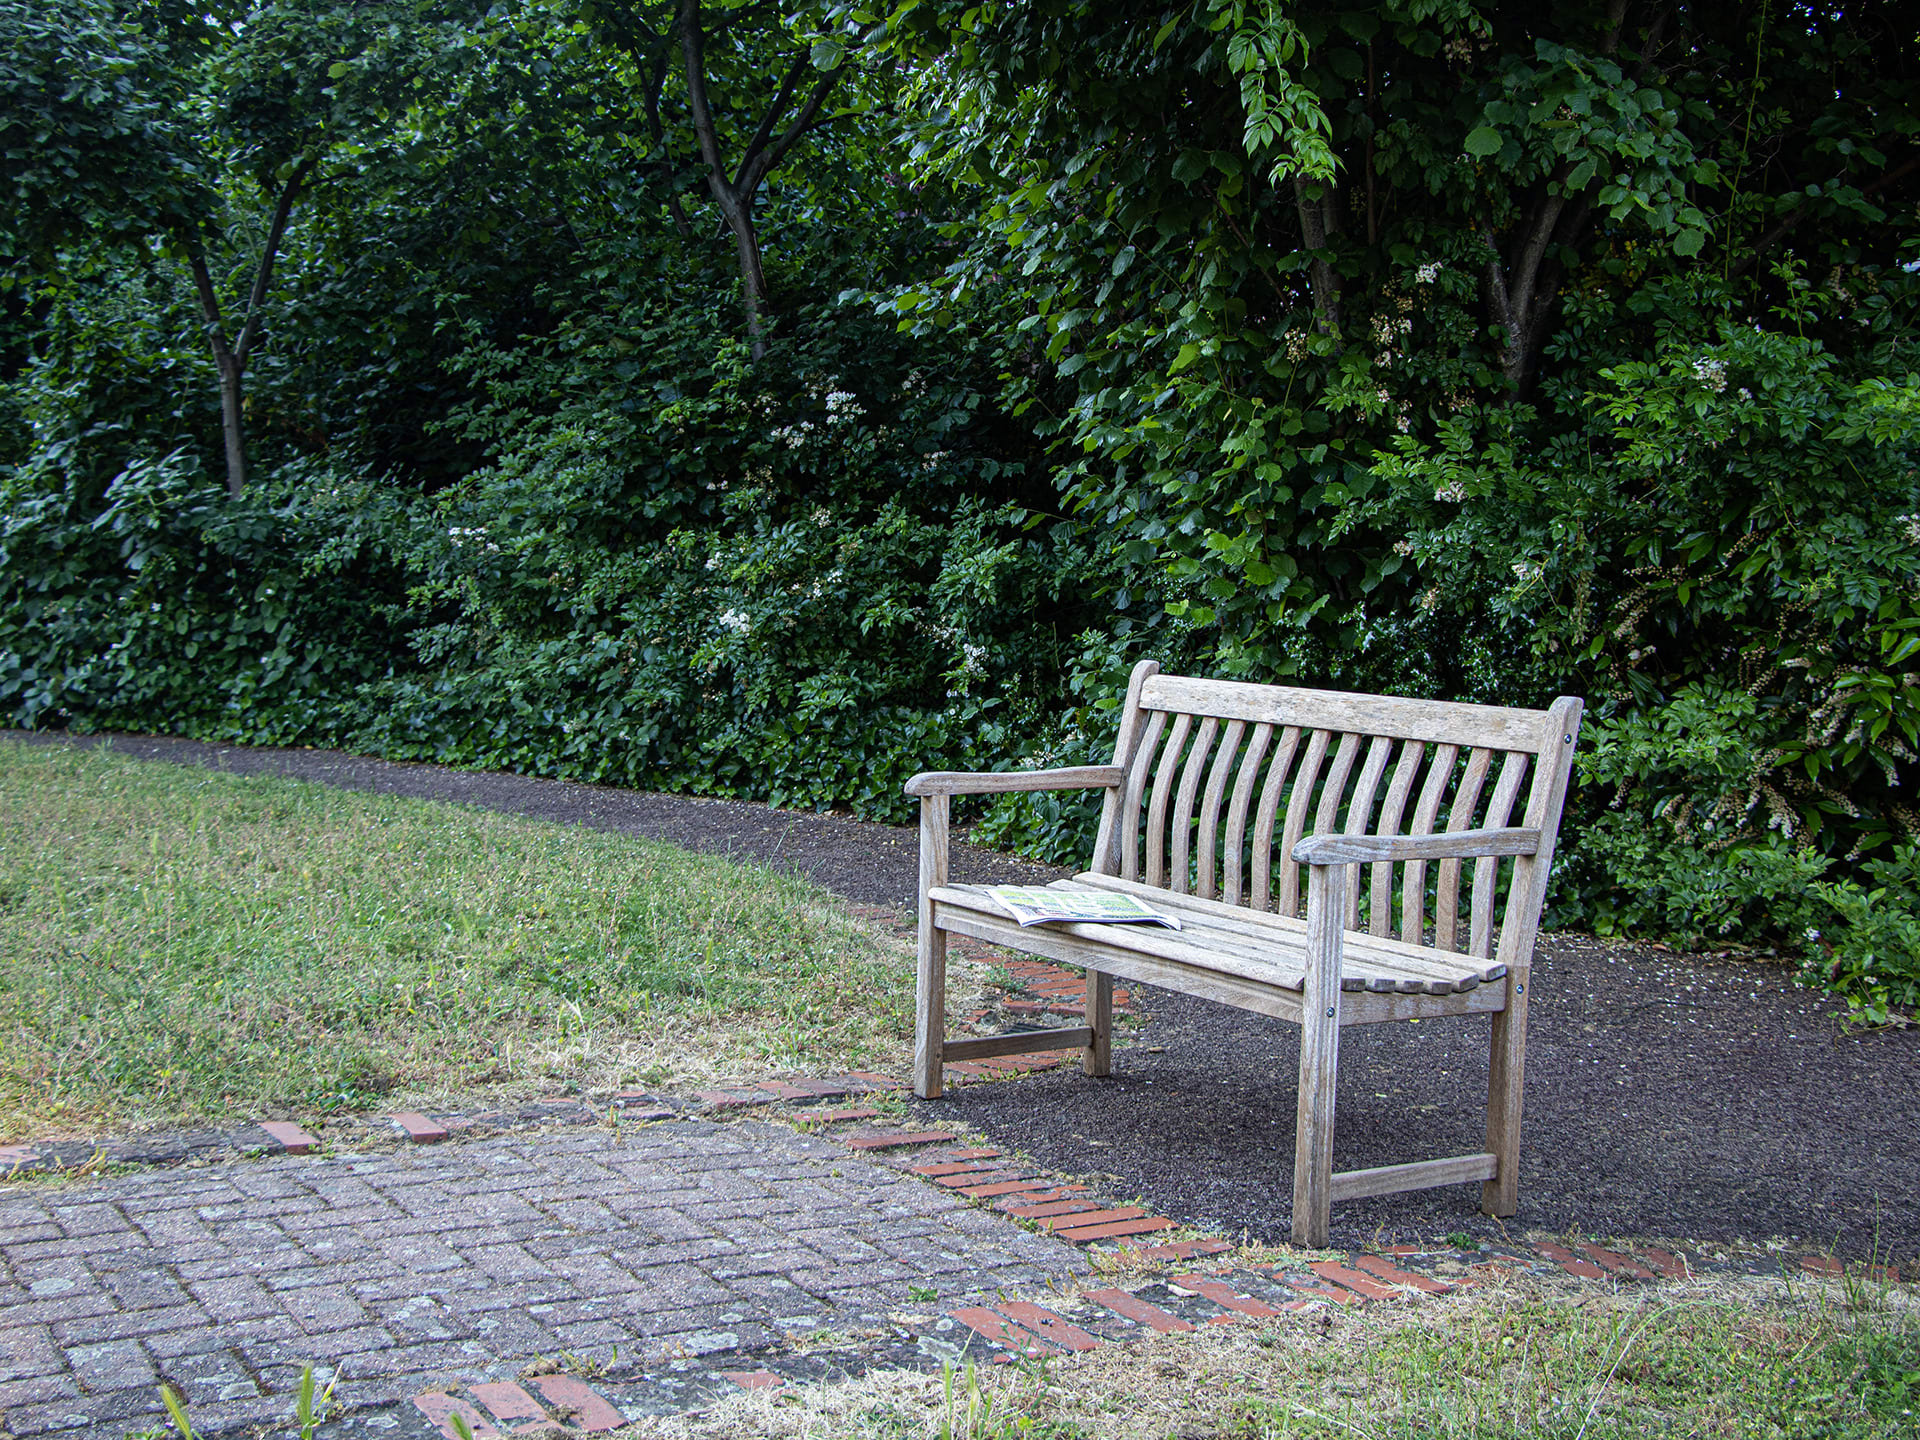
[[781, 99], [802, 123], [656, 82], [1773, 236], [693, 47], [209, 307], [263, 273]]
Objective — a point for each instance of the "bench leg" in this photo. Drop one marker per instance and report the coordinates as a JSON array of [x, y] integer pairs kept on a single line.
[[1506, 1072], [1319, 1057], [930, 989], [1098, 1058]]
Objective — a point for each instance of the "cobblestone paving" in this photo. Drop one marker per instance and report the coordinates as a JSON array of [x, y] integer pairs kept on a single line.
[[464, 1260]]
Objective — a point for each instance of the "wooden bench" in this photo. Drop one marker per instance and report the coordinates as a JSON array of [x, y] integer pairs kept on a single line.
[[1366, 792]]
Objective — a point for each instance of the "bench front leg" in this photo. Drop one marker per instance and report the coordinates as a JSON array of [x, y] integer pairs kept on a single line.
[[930, 989], [1501, 1195], [1319, 1056]]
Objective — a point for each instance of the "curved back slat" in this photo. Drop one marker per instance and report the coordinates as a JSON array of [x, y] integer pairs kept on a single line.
[[1413, 882], [1460, 813], [1162, 791], [1412, 752], [1204, 885], [1486, 870], [1297, 802], [1190, 775], [1137, 773], [1263, 820], [1360, 810]]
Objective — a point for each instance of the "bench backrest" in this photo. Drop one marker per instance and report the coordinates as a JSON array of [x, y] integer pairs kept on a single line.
[[1224, 778]]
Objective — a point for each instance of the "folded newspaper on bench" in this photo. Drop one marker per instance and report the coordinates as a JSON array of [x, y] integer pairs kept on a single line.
[[1037, 904]]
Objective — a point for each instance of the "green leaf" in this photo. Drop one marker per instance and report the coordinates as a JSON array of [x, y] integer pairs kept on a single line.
[[1483, 141], [337, 69]]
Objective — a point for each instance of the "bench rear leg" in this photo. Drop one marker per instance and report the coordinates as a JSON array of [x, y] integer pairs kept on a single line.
[[1097, 1059], [930, 989], [1505, 1075]]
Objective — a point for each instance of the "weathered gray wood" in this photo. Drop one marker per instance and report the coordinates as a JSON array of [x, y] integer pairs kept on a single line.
[[1204, 980], [1164, 777], [930, 984], [1206, 861], [1420, 1175], [1463, 726], [1413, 880], [1133, 721], [1319, 1056], [1169, 772], [1460, 816], [1261, 848], [1526, 894], [1128, 830], [1298, 800], [1190, 774], [1282, 938], [1360, 810], [1381, 883], [1369, 1009], [1018, 1042], [1457, 844], [1486, 870], [1098, 1059], [1233, 867], [1003, 782]]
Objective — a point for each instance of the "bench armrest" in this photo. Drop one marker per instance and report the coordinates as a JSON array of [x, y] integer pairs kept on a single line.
[[1000, 782], [1449, 845]]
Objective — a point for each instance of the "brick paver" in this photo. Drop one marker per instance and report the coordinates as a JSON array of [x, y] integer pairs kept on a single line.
[[420, 1269]]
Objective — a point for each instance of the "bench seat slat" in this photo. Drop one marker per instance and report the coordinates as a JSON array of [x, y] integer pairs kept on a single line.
[[1268, 949], [1206, 981], [1366, 956]]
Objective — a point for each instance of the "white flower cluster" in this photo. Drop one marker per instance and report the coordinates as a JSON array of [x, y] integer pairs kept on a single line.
[[460, 534], [735, 621], [1711, 372], [793, 436], [842, 406], [1429, 272], [1453, 490]]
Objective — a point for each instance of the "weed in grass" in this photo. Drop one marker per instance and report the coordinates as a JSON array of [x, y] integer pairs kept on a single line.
[[183, 944]]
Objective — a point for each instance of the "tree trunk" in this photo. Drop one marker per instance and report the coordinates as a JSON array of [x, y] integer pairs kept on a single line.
[[736, 196], [230, 431], [231, 360]]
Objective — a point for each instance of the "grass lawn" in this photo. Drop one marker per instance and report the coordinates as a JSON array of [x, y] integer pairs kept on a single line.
[[177, 944], [1521, 1360]]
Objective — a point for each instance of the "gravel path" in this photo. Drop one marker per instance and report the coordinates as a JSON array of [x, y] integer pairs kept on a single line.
[[1667, 1095]]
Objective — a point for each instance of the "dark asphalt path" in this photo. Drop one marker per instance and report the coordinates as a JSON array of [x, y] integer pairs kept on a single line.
[[1667, 1096]]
